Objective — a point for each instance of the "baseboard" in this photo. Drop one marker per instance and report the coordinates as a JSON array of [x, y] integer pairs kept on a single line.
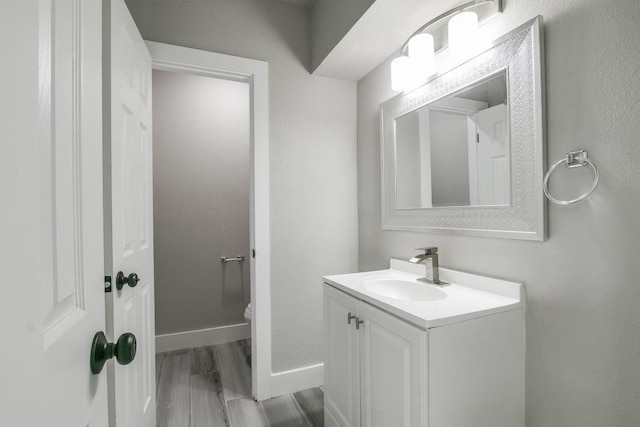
[[202, 337], [297, 379]]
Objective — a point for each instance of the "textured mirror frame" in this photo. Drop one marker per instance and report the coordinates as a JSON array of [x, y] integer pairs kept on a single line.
[[520, 53]]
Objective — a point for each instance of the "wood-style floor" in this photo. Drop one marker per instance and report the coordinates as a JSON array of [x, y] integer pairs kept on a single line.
[[211, 387]]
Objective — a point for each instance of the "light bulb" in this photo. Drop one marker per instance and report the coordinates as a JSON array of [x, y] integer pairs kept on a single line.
[[463, 29], [421, 54], [400, 73]]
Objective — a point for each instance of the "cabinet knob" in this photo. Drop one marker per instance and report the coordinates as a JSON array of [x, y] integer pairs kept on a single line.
[[358, 323], [350, 317]]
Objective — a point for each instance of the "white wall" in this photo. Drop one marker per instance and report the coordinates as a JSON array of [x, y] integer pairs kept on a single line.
[[201, 141], [408, 154], [583, 291], [313, 152]]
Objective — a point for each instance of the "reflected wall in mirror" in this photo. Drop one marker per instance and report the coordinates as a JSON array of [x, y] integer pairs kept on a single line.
[[464, 153], [455, 150]]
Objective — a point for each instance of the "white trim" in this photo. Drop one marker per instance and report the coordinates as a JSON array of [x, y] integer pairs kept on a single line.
[[297, 379], [256, 73], [202, 337]]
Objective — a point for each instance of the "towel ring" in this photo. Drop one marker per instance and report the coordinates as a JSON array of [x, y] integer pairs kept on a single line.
[[574, 159]]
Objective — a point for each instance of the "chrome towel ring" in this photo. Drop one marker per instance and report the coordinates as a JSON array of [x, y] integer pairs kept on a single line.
[[574, 159]]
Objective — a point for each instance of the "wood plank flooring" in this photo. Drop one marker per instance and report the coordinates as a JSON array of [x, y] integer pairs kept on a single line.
[[211, 387]]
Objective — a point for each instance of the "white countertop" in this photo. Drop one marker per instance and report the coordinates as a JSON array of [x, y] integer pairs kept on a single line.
[[469, 296]]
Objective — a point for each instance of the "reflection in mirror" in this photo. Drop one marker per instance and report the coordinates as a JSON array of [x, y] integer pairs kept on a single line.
[[455, 150]]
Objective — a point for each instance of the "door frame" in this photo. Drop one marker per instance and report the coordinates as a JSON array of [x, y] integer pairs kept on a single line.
[[210, 64]]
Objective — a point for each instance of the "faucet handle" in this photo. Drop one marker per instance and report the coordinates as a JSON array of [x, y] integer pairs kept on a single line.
[[429, 250]]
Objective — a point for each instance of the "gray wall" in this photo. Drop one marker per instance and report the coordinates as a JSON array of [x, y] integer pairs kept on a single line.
[[583, 291], [330, 21], [200, 200], [312, 131], [449, 158]]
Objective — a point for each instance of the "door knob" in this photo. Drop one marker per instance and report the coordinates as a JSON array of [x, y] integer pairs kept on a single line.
[[124, 350], [131, 280]]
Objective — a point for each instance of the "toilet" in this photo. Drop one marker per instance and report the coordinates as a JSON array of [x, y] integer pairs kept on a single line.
[[247, 313]]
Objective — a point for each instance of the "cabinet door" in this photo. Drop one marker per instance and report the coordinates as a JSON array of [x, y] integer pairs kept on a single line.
[[341, 375], [393, 370]]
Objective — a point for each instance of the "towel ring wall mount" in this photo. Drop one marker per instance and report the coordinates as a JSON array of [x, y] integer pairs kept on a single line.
[[574, 159]]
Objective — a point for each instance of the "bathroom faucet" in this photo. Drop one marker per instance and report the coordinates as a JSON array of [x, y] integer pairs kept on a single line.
[[430, 252]]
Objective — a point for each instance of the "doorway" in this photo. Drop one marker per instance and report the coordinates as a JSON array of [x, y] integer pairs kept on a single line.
[[193, 64], [201, 206]]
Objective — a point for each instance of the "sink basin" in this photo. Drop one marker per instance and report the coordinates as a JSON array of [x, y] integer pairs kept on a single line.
[[402, 289]]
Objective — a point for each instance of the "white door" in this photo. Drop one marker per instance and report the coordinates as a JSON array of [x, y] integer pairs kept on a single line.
[[492, 156], [341, 369], [130, 208], [51, 243], [393, 370]]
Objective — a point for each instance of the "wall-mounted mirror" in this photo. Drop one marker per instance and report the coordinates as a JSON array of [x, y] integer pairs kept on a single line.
[[464, 153]]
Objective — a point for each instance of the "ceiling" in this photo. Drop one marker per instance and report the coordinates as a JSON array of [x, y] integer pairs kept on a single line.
[[377, 34]]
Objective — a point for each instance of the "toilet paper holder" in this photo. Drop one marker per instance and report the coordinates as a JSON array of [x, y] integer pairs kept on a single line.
[[225, 259]]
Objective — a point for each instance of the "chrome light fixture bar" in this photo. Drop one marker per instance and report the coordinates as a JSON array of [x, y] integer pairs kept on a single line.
[[417, 56]]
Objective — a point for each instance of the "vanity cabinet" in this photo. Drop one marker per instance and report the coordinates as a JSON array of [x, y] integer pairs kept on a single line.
[[375, 366], [382, 371]]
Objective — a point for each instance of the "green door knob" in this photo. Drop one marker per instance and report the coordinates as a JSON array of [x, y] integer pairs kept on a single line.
[[124, 350], [131, 280]]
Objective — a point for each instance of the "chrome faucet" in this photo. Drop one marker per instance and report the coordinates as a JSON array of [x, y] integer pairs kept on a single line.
[[430, 252]]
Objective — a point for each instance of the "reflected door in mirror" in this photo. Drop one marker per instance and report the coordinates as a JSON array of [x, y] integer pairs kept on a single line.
[[491, 185], [455, 151]]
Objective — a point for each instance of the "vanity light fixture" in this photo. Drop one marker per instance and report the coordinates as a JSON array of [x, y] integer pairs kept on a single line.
[[400, 73], [463, 32], [417, 63]]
